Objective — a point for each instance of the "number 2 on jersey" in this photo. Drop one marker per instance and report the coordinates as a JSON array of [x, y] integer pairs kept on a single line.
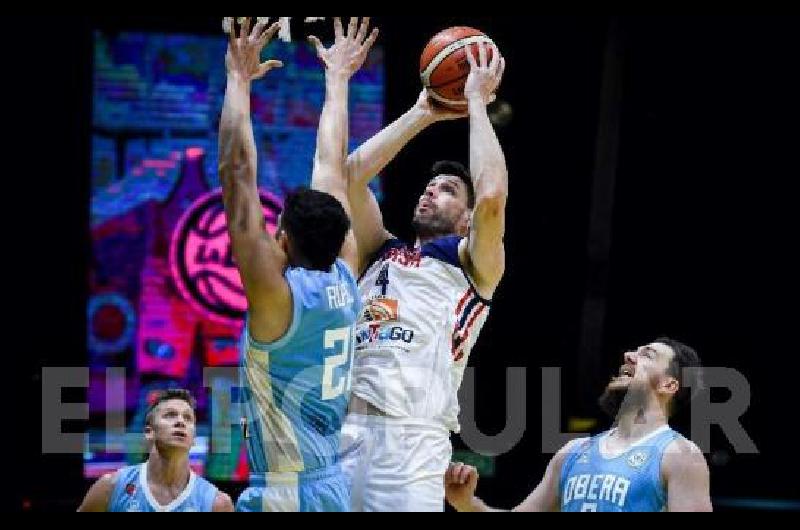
[[334, 338]]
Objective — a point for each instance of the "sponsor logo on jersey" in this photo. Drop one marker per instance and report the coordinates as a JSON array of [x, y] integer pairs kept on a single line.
[[375, 333], [638, 459], [382, 310]]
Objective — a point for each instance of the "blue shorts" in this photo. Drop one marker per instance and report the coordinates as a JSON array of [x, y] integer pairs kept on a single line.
[[325, 490]]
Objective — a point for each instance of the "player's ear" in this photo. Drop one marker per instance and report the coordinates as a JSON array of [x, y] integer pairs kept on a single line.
[[283, 241], [670, 386], [149, 434], [464, 224]]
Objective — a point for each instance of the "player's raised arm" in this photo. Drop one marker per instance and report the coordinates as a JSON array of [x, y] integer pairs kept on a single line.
[[260, 259], [484, 255], [342, 61]]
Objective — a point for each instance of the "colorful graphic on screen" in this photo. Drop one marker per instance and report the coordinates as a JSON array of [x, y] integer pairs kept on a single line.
[[165, 299]]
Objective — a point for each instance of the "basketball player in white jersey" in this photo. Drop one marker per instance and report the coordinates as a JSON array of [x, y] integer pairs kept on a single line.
[[425, 304]]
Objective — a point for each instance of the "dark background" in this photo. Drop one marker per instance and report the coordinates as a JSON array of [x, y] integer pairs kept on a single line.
[[699, 224]]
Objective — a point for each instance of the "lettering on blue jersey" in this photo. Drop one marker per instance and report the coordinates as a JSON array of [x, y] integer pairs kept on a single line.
[[605, 488], [608, 486], [339, 296], [132, 504], [629, 482]]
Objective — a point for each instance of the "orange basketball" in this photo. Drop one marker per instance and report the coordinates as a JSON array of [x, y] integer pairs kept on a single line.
[[444, 66]]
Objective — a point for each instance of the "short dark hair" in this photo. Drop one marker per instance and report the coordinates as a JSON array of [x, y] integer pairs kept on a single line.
[[317, 225], [686, 367], [168, 395], [456, 169]]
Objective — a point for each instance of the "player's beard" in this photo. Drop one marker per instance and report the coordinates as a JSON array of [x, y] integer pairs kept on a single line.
[[433, 226], [616, 401]]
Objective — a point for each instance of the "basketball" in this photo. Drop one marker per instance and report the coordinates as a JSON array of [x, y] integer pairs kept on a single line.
[[444, 66]]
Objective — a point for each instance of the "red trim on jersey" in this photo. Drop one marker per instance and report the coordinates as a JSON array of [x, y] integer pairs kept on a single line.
[[463, 335], [463, 302]]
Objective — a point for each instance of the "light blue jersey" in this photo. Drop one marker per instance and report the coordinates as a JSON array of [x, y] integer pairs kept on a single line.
[[296, 394], [132, 494], [632, 482]]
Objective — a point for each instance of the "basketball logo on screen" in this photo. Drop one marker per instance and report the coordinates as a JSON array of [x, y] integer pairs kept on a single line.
[[203, 266]]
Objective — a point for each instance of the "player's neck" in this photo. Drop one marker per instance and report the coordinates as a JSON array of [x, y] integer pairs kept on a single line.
[[424, 240], [637, 423], [169, 472], [301, 263]]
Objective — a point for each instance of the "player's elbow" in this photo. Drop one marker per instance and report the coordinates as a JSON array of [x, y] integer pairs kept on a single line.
[[491, 204], [354, 176]]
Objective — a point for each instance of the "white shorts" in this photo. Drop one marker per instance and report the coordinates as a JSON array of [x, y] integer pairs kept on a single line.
[[395, 466]]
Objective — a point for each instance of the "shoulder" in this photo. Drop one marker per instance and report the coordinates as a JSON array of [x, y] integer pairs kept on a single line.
[[223, 503], [110, 481], [683, 457], [682, 448], [572, 448], [345, 270], [446, 250], [390, 245], [100, 495]]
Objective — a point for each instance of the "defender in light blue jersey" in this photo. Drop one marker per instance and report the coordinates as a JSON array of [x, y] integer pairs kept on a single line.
[[295, 394], [639, 466], [300, 285], [165, 483]]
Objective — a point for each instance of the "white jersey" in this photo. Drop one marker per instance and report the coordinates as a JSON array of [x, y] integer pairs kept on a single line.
[[422, 318]]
